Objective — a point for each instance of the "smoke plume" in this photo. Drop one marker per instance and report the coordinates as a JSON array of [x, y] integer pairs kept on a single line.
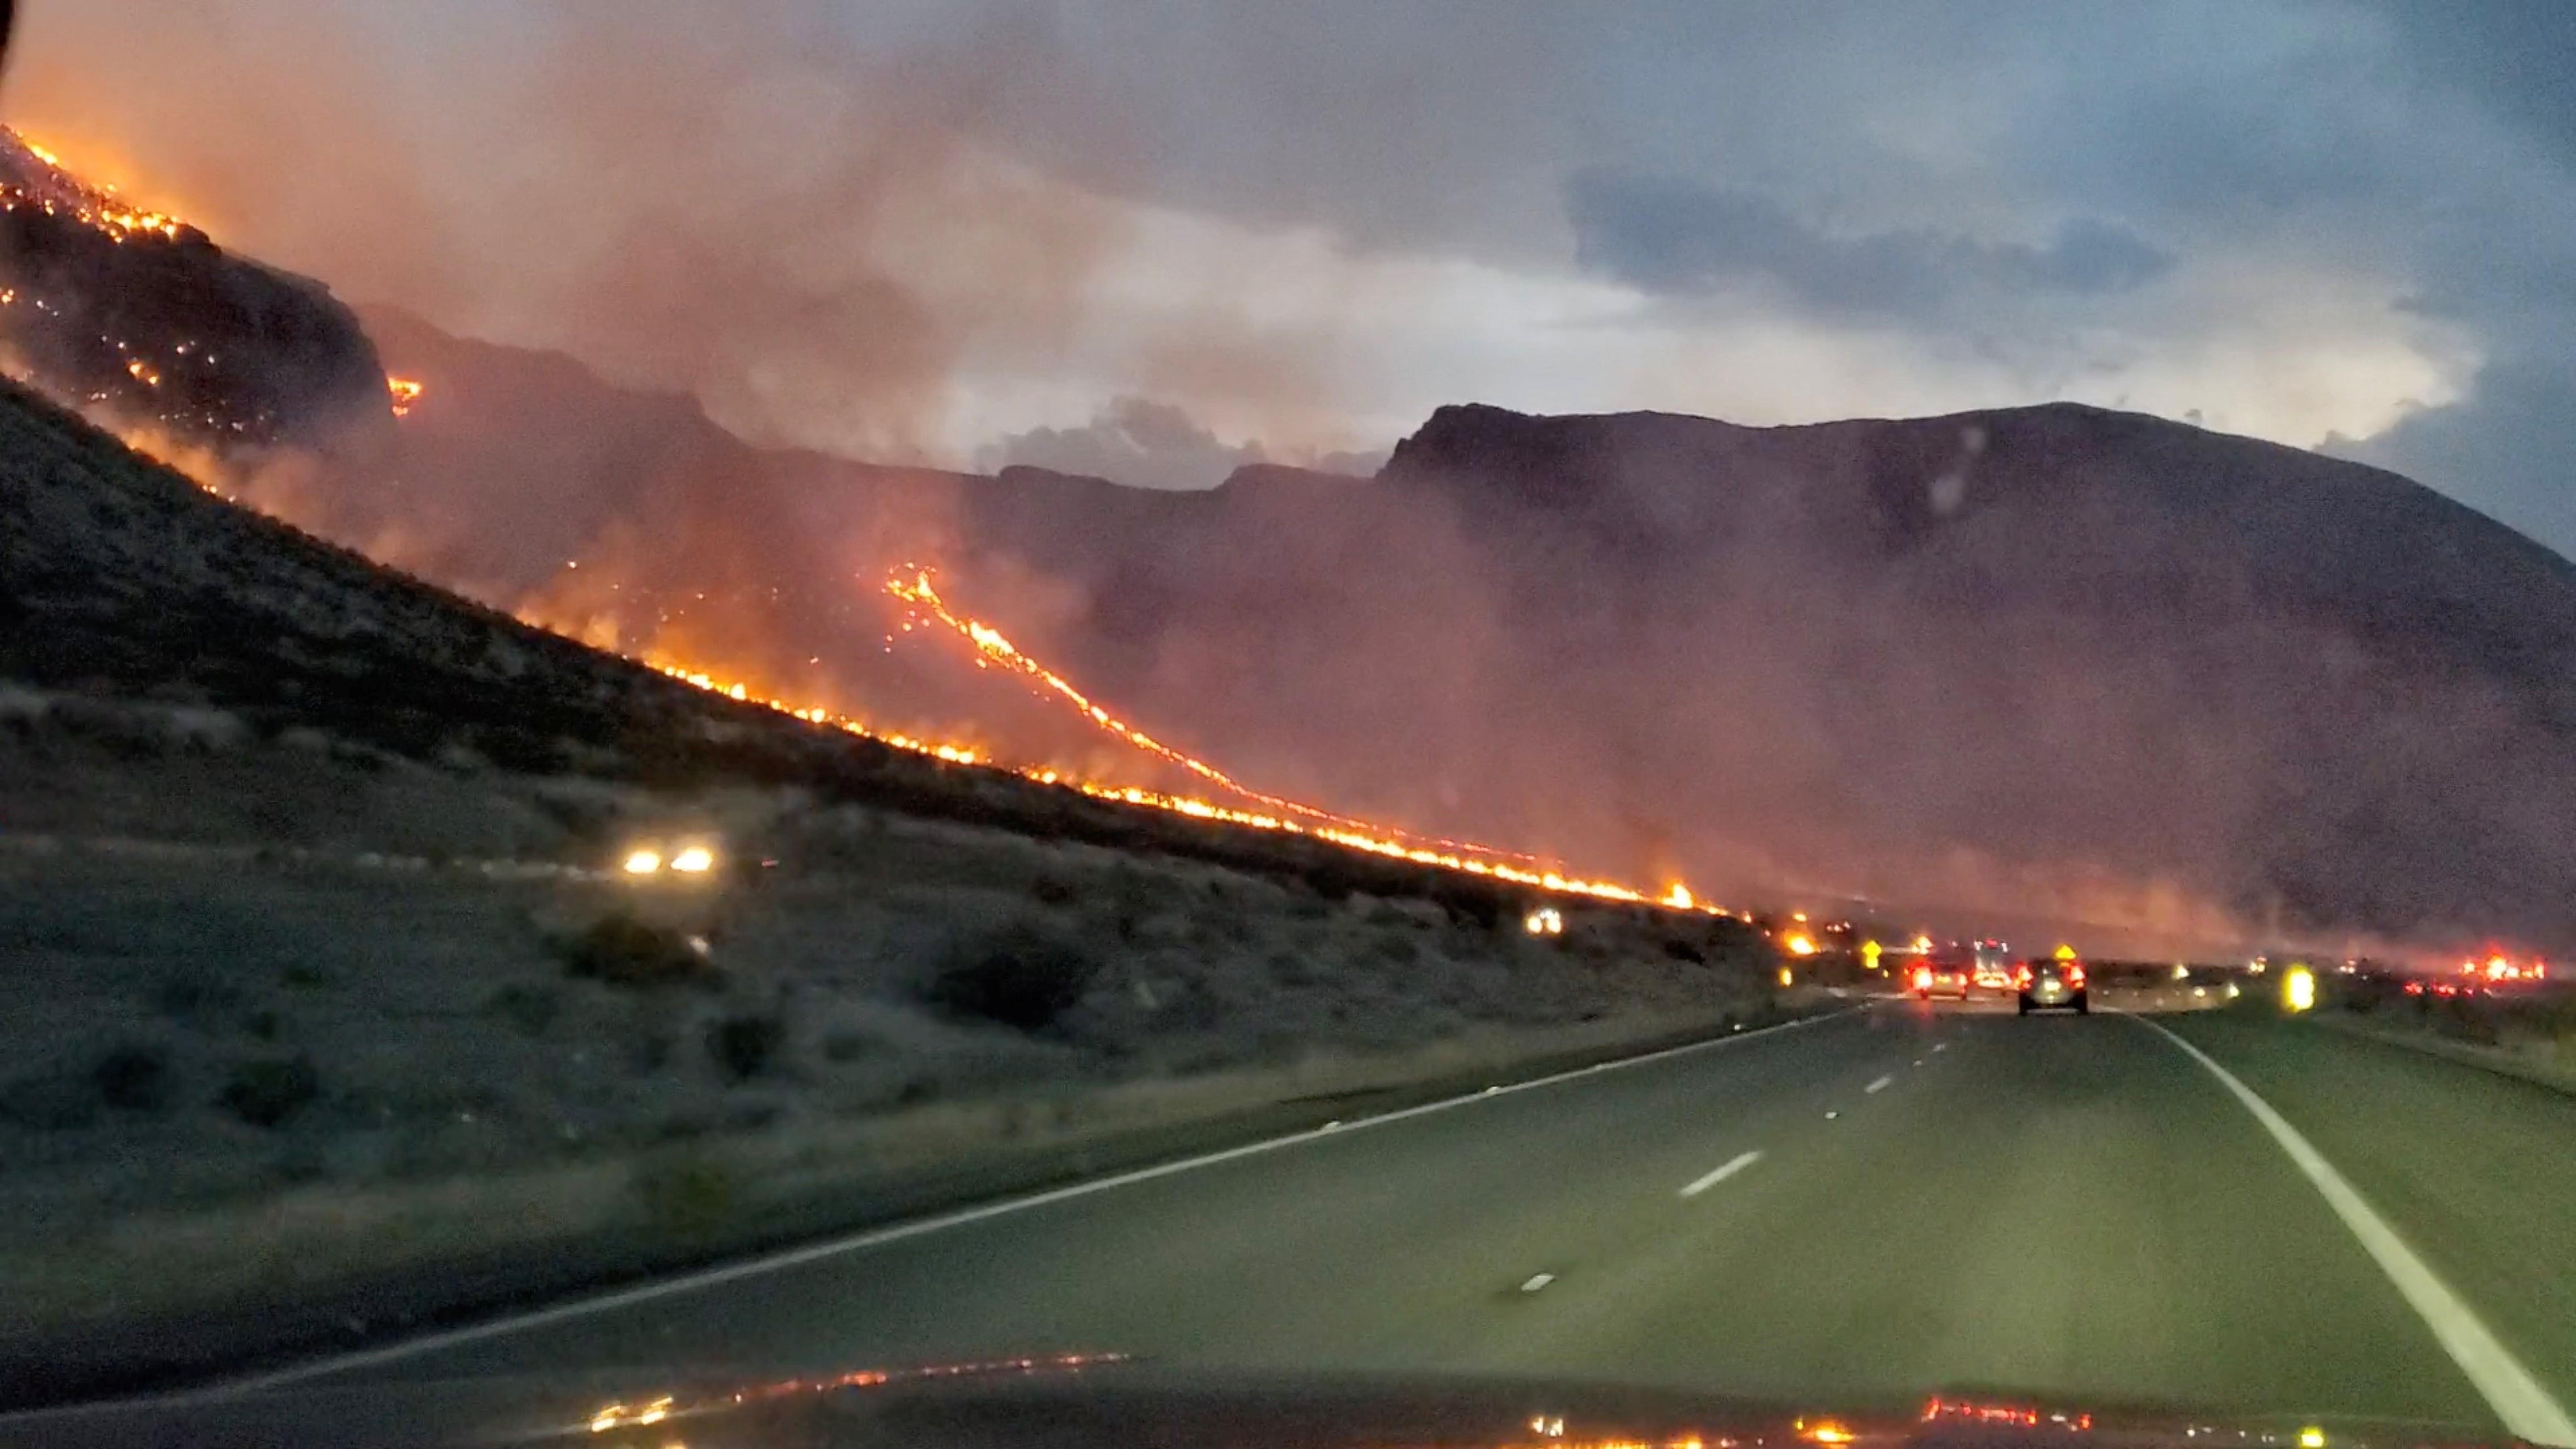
[[731, 201]]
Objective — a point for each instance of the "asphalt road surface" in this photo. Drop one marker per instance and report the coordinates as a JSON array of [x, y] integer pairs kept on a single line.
[[1897, 1200]]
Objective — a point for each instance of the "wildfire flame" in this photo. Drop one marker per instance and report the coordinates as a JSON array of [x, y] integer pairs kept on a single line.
[[403, 392], [1291, 817], [989, 642], [50, 186]]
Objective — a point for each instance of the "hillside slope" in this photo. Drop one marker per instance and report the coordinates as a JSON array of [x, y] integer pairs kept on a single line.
[[120, 579]]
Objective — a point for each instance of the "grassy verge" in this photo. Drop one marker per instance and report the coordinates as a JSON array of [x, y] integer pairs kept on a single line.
[[168, 1299], [2527, 1032], [2549, 1062]]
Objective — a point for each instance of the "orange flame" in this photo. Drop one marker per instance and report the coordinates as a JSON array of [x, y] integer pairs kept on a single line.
[[57, 192], [403, 392], [1287, 816], [1377, 840], [991, 644]]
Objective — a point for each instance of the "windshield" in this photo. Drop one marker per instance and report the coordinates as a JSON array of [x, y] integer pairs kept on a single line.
[[1530, 692]]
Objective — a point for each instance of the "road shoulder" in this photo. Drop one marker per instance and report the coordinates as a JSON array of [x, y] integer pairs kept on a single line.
[[806, 1197], [2499, 1060]]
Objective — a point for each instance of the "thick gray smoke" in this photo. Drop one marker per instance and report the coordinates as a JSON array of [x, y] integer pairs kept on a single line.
[[738, 201], [1147, 444]]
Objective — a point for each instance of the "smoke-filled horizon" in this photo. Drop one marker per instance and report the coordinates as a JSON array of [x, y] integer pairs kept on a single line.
[[956, 233]]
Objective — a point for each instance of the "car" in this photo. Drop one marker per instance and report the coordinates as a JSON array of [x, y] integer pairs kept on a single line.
[[1939, 978], [2051, 984]]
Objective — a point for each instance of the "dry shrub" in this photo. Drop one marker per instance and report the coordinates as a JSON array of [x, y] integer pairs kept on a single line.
[[1019, 976]]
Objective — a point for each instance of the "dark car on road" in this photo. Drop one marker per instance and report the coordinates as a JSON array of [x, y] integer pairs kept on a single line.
[[2052, 983], [1939, 977]]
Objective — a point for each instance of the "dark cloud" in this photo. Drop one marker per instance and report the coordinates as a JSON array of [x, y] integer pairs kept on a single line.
[[2509, 55], [2508, 449], [1669, 234]]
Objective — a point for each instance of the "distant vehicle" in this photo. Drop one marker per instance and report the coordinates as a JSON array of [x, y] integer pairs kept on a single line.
[[1939, 977], [1992, 970], [2052, 983]]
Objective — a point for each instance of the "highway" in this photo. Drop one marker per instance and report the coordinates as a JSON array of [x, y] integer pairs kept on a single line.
[[1895, 1200]]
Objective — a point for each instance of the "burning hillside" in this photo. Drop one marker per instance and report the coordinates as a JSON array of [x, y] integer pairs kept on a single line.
[[2044, 661], [141, 318], [711, 638], [2189, 687]]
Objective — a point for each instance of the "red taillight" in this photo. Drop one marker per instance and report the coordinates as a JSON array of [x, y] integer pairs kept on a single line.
[[2021, 977], [2074, 974], [1922, 978]]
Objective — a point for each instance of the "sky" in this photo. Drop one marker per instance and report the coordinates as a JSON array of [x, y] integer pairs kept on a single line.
[[1155, 241]]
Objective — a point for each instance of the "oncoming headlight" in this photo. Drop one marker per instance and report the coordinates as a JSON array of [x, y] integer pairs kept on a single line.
[[647, 859]]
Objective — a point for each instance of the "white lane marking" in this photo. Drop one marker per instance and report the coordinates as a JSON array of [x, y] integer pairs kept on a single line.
[[918, 1227], [1940, 1046], [1734, 1165], [1537, 1281], [1880, 1085], [2517, 1398], [1829, 1116]]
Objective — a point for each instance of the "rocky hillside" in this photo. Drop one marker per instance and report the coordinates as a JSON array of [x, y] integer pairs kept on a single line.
[[2097, 636]]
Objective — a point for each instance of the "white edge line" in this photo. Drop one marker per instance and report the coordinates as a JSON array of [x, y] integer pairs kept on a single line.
[[1733, 1166], [834, 1247], [2518, 1399]]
